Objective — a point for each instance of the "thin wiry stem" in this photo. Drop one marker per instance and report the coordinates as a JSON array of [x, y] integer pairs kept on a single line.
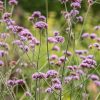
[[46, 2], [84, 22], [5, 5], [67, 45], [36, 94]]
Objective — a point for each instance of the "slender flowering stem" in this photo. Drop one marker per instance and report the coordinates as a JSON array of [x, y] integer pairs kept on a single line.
[[67, 45], [84, 21], [5, 5], [36, 94], [46, 2]]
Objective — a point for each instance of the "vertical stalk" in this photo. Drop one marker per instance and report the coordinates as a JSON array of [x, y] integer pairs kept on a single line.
[[84, 21], [46, 2], [36, 95], [69, 34], [5, 5]]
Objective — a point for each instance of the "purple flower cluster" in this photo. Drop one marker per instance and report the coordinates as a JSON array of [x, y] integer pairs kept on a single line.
[[4, 45], [80, 52], [68, 53], [37, 16], [72, 68], [97, 27], [41, 25], [56, 48], [53, 57], [56, 85], [13, 2], [56, 39], [24, 34], [75, 5], [1, 63], [39, 75], [74, 12], [71, 77], [88, 63], [93, 77], [52, 74], [15, 82], [85, 35], [49, 90], [90, 2], [75, 73], [3, 53], [38, 20], [94, 37], [4, 35]]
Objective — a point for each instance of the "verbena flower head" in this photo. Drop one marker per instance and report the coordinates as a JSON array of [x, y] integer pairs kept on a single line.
[[97, 27], [97, 83], [52, 40], [52, 74], [80, 52], [79, 19], [56, 48], [63, 58], [42, 18], [88, 63], [72, 68], [49, 90], [73, 13], [93, 35], [27, 93], [57, 86], [68, 53], [90, 56], [3, 53], [36, 14], [80, 72], [39, 75], [85, 35], [59, 39], [41, 25], [96, 45], [56, 33], [6, 16], [20, 82], [75, 5], [90, 2], [53, 57], [10, 82], [13, 2], [68, 79], [98, 39], [59, 63], [93, 77], [56, 80], [1, 63]]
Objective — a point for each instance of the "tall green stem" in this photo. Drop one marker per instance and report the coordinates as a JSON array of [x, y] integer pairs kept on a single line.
[[46, 2]]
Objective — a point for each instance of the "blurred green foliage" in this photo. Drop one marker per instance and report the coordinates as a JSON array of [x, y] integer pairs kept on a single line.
[[53, 5]]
